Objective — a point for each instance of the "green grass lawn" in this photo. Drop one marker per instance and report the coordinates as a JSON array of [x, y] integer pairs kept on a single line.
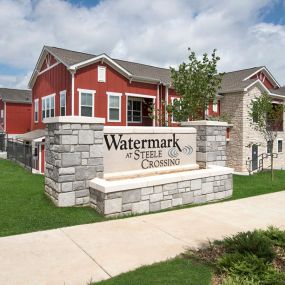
[[178, 271], [25, 208], [247, 186]]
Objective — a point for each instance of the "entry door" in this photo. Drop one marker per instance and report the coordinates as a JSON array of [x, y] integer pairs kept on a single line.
[[254, 157]]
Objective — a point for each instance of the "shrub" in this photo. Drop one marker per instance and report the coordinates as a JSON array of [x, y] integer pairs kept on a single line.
[[242, 265], [276, 235], [272, 277], [254, 242]]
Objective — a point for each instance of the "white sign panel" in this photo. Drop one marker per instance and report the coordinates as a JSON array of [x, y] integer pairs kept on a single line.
[[139, 148]]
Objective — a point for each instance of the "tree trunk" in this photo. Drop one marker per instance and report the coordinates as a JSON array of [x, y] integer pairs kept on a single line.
[[272, 172]]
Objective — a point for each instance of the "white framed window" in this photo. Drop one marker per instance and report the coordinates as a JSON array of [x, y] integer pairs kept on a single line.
[[36, 110], [62, 103], [101, 73], [48, 106], [215, 107], [173, 118], [134, 110], [86, 102], [114, 106], [2, 114], [280, 145]]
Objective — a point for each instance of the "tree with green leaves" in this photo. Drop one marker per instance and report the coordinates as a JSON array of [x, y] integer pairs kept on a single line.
[[196, 82], [267, 118]]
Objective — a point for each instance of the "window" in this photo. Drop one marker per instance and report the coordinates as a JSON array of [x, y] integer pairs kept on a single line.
[[215, 107], [43, 108], [48, 106], [114, 107], [101, 74], [86, 102], [280, 145], [62, 103], [36, 111], [134, 111], [2, 114], [269, 146]]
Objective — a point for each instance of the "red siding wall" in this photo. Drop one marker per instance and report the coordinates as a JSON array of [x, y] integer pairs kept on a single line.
[[52, 81], [87, 78], [265, 81], [18, 118]]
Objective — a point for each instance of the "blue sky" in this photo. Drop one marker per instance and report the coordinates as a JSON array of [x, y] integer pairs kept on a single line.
[[158, 32]]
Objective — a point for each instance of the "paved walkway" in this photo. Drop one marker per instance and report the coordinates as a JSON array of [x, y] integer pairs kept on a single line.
[[76, 255]]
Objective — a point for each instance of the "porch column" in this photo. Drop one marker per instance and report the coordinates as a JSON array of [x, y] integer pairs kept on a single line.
[[74, 156]]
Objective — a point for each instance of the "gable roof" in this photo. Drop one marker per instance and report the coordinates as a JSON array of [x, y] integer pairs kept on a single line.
[[68, 57], [235, 81], [16, 95]]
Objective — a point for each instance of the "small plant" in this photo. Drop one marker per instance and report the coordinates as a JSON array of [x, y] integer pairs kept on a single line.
[[276, 235], [254, 242], [272, 277], [242, 264]]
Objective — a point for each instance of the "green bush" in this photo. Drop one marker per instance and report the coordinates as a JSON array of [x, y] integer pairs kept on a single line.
[[272, 277], [276, 235], [243, 265], [254, 242], [237, 280]]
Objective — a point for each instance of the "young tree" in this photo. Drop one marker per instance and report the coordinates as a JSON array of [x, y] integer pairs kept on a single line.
[[266, 118], [197, 82]]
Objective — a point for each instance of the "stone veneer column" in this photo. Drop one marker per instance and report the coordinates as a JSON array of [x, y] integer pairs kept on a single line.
[[73, 156], [211, 142]]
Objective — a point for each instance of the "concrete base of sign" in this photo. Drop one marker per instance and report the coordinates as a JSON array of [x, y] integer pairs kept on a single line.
[[3, 155], [141, 195]]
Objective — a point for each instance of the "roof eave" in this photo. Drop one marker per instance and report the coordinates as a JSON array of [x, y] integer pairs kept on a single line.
[[267, 71], [36, 69]]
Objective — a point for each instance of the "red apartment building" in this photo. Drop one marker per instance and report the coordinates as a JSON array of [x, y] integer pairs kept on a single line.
[[69, 83], [15, 111]]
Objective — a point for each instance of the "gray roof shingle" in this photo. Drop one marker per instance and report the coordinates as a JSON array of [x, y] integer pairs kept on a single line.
[[234, 81], [16, 95], [231, 82], [279, 91]]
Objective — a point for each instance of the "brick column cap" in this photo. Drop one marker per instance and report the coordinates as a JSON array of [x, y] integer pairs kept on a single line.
[[74, 120], [204, 123]]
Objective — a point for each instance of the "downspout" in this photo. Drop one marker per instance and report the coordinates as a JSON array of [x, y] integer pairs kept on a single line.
[[157, 110], [5, 117], [72, 92], [166, 103]]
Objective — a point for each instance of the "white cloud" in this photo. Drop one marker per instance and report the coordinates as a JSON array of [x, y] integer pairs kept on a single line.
[[149, 31]]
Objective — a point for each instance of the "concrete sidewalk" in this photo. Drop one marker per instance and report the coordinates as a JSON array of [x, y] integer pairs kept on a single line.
[[76, 255]]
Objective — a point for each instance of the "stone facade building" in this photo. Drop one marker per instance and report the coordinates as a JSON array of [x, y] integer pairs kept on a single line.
[[245, 146]]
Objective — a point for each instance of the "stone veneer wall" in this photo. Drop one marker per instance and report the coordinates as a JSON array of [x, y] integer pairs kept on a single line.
[[74, 155], [211, 142], [232, 105], [250, 136], [159, 197]]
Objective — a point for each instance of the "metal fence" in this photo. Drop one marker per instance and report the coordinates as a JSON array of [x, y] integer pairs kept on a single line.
[[2, 142], [17, 151]]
